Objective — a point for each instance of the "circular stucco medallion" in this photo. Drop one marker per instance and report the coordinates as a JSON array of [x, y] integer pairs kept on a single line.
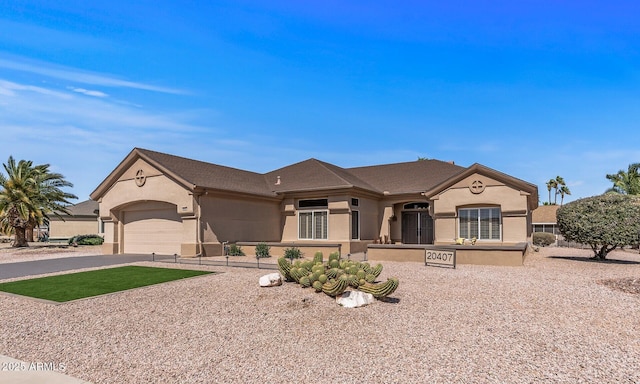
[[141, 178], [476, 186]]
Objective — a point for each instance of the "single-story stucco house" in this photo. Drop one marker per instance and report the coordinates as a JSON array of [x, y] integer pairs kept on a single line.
[[81, 220], [544, 219], [159, 203]]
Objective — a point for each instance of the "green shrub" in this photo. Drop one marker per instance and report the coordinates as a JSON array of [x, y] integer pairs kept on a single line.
[[604, 222], [262, 251], [543, 239], [292, 253], [86, 240], [235, 250]]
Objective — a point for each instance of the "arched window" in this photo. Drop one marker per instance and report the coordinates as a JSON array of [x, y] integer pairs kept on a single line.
[[416, 205]]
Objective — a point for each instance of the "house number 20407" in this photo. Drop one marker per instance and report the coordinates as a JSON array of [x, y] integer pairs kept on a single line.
[[440, 256]]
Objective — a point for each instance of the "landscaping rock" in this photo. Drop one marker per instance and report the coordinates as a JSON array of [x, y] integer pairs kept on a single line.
[[271, 280], [355, 299]]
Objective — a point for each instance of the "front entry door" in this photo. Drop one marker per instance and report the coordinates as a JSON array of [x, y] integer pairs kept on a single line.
[[417, 228]]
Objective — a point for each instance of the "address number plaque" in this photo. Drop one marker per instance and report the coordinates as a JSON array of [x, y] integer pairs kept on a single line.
[[440, 258]]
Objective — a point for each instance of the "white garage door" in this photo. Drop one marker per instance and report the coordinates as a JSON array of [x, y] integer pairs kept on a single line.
[[152, 231]]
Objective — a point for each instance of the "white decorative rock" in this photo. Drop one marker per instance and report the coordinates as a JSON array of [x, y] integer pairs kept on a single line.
[[355, 299], [271, 280]]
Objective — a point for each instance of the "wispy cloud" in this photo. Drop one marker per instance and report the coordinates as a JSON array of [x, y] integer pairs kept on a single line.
[[88, 92], [35, 107], [80, 76]]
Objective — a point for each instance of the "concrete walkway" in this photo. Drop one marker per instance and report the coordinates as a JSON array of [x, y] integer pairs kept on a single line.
[[14, 371], [39, 267]]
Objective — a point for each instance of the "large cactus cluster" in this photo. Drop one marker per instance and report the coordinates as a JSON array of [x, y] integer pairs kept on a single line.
[[335, 275]]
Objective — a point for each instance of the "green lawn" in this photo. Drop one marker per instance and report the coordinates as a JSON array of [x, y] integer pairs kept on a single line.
[[79, 285]]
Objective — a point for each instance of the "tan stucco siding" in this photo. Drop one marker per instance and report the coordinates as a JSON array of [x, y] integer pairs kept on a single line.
[[156, 188], [73, 226], [369, 218], [512, 203], [125, 194], [339, 218], [446, 230], [514, 230], [233, 220]]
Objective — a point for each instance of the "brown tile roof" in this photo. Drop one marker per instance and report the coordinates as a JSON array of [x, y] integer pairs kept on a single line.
[[313, 174], [409, 177], [208, 175], [544, 214], [83, 208], [308, 175]]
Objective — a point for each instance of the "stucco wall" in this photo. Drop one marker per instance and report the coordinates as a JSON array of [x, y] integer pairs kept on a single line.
[[126, 194], [512, 203], [157, 187], [369, 218], [73, 226], [501, 255], [233, 220]]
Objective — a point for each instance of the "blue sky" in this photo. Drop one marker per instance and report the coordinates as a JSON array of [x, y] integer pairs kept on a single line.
[[534, 89]]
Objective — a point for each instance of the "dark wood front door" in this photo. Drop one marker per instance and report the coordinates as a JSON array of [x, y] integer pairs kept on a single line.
[[417, 228]]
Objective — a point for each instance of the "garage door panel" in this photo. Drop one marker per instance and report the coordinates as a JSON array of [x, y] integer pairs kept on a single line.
[[152, 231]]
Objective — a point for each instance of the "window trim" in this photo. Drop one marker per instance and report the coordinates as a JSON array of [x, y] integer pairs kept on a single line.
[[479, 209], [313, 223]]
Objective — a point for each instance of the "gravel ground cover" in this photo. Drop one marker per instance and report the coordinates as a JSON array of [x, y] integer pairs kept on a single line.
[[42, 251], [557, 319]]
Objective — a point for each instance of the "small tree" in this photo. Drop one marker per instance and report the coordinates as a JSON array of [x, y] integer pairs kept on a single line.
[[604, 222], [262, 251]]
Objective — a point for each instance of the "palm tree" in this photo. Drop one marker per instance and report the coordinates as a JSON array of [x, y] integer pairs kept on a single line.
[[627, 183], [563, 190], [551, 184], [559, 184], [28, 195]]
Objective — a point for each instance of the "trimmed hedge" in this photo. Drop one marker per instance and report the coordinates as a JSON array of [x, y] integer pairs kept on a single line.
[[86, 240], [543, 239]]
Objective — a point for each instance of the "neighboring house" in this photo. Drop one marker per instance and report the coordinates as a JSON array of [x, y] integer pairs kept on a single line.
[[156, 202], [83, 220], [544, 219]]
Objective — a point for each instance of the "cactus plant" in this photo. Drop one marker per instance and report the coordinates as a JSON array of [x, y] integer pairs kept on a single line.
[[381, 290], [377, 270], [335, 276], [305, 282], [317, 257], [284, 266], [336, 288]]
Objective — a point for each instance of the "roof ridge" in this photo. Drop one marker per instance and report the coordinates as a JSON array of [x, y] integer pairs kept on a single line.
[[346, 170], [196, 160], [324, 164]]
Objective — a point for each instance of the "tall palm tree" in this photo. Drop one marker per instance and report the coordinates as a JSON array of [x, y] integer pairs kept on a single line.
[[559, 184], [551, 184], [563, 190], [627, 183], [28, 195]]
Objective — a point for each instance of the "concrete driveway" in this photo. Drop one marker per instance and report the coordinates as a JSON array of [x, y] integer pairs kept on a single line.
[[39, 267]]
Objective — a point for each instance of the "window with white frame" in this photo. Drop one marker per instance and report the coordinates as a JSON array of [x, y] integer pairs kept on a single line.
[[481, 223], [313, 218], [313, 224]]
